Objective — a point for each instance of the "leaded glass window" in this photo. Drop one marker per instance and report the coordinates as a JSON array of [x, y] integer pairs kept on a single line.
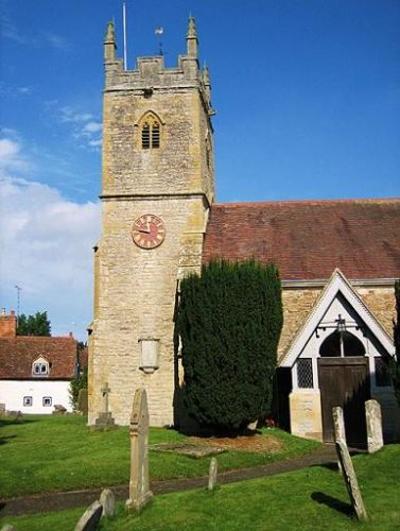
[[305, 373]]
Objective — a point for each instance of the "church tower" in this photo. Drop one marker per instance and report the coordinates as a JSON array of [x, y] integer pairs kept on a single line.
[[157, 187]]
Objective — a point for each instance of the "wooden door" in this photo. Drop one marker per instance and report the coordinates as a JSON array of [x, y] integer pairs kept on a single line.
[[344, 382]]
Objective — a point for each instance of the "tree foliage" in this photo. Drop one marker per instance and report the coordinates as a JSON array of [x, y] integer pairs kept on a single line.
[[396, 338], [76, 384], [34, 325], [229, 321]]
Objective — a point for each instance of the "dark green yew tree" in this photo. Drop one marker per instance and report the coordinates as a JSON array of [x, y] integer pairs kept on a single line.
[[396, 337], [229, 320]]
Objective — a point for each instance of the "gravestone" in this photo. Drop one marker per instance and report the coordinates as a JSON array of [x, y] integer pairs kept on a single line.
[[59, 409], [90, 518], [105, 419], [83, 401], [107, 501], [339, 428], [139, 489], [346, 466], [338, 424], [2, 408], [373, 416], [212, 473]]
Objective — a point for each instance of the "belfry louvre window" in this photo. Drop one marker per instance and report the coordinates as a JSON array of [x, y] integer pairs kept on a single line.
[[305, 373], [150, 134]]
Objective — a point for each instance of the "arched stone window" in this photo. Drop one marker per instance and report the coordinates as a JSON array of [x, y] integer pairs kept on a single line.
[[150, 127], [341, 344]]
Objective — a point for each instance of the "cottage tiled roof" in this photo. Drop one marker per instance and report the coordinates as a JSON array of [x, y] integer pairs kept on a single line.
[[307, 240], [18, 353]]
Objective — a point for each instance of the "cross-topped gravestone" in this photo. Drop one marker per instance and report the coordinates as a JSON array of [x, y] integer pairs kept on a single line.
[[105, 390], [139, 487], [105, 417]]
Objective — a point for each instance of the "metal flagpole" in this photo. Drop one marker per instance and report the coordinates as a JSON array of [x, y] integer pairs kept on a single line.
[[124, 28]]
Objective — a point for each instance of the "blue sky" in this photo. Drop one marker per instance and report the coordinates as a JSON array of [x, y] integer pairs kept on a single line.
[[307, 94]]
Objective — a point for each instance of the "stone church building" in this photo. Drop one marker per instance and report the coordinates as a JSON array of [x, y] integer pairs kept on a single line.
[[338, 260]]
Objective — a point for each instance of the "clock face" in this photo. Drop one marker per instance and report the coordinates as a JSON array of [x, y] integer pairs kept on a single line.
[[148, 231]]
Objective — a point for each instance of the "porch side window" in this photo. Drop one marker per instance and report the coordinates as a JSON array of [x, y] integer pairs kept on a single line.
[[305, 373], [382, 374]]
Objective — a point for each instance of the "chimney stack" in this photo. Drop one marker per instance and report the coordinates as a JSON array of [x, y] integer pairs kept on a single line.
[[8, 324]]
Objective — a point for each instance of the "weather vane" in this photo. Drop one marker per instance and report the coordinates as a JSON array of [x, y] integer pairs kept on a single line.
[[159, 31]]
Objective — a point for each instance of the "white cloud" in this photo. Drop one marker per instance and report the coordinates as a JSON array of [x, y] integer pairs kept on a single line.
[[24, 90], [84, 127], [57, 41], [37, 39], [70, 115], [46, 246], [92, 127], [95, 143], [10, 156]]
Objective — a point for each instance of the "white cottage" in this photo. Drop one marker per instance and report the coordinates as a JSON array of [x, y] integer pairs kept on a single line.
[[35, 372]]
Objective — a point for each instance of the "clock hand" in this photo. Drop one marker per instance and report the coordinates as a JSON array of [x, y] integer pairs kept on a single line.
[[145, 229]]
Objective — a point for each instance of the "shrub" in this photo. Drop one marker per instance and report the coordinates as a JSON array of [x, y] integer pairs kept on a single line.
[[76, 384], [229, 320]]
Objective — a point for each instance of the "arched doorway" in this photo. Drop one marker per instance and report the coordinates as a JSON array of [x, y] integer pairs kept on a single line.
[[343, 373]]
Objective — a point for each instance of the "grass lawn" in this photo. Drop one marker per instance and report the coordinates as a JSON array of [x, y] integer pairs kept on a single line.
[[47, 453], [309, 499]]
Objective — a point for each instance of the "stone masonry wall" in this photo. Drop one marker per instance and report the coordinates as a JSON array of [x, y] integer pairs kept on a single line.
[[136, 299], [135, 289]]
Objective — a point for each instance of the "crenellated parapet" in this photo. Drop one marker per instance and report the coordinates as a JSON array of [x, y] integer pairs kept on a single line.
[[151, 74]]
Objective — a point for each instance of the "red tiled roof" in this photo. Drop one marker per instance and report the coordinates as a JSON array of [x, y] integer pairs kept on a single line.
[[309, 239], [18, 353]]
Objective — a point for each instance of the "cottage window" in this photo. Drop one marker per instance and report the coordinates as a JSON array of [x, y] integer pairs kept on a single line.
[[47, 401], [40, 368], [27, 401]]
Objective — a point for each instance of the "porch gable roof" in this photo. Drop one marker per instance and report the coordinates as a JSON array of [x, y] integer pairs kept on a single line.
[[337, 283]]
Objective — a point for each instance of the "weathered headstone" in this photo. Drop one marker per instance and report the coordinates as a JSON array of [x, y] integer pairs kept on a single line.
[[338, 424], [373, 416], [212, 473], [139, 488], [346, 466], [8, 527], [339, 428], [59, 409], [107, 501], [83, 401], [105, 418], [90, 518], [2, 408]]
